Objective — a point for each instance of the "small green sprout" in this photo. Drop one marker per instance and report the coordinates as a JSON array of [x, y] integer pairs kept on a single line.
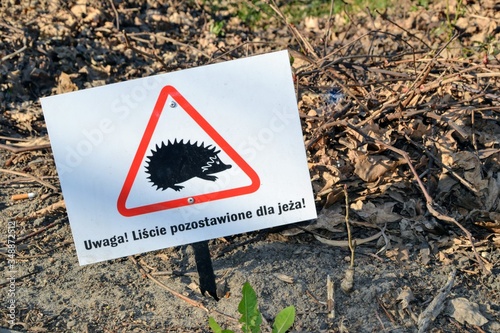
[[251, 318]]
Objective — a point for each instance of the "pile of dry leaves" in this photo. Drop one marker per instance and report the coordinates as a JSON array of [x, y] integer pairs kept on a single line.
[[411, 130]]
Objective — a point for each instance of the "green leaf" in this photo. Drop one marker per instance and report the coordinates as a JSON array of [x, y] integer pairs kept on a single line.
[[250, 314], [215, 327], [284, 320]]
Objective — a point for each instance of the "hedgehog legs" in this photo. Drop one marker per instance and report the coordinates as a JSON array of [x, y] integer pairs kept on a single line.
[[208, 177], [176, 187]]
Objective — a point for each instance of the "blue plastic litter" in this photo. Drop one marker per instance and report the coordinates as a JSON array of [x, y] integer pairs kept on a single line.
[[334, 96]]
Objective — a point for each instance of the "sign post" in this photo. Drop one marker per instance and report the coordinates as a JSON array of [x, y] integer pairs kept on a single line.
[[181, 158], [205, 269]]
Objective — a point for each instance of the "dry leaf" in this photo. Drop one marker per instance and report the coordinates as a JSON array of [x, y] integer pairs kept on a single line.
[[376, 214], [425, 255], [405, 296], [284, 278], [399, 254], [64, 84], [328, 219], [371, 167], [465, 311], [24, 119]]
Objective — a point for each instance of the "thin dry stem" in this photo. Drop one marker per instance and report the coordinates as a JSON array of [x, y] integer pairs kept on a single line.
[[170, 290], [24, 174], [153, 56], [436, 305], [330, 292], [352, 245], [16, 149], [430, 204]]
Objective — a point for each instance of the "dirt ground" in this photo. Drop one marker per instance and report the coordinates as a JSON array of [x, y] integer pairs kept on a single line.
[[400, 107]]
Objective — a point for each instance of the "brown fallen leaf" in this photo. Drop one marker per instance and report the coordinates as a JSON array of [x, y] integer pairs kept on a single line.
[[405, 296], [371, 167], [378, 214], [465, 311], [64, 84]]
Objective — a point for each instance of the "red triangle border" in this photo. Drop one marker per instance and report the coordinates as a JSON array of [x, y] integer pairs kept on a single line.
[[196, 199]]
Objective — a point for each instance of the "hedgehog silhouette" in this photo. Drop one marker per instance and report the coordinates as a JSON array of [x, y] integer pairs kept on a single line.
[[178, 161]]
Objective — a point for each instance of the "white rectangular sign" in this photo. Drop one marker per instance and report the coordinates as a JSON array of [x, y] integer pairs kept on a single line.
[[181, 157]]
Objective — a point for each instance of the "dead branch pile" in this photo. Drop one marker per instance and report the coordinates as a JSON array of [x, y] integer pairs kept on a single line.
[[412, 130]]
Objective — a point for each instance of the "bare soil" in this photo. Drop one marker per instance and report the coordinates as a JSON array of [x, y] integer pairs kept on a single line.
[[400, 108]]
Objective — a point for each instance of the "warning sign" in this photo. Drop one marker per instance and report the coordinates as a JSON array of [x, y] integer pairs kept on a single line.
[[178, 161], [181, 157]]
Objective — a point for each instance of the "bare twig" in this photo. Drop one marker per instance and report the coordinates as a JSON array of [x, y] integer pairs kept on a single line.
[[344, 243], [326, 35], [13, 54], [473, 127], [4, 24], [329, 72], [386, 18], [450, 122], [347, 282], [175, 293], [34, 233], [352, 244], [303, 42], [17, 149], [18, 278], [247, 43], [176, 42], [436, 306], [380, 321], [396, 150], [117, 17], [387, 313], [58, 205], [420, 79], [154, 56], [387, 57], [330, 298], [10, 138], [44, 183], [170, 290], [429, 201], [464, 182], [463, 87]]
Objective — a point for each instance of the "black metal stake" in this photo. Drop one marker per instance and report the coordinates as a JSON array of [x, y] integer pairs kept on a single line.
[[205, 269]]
